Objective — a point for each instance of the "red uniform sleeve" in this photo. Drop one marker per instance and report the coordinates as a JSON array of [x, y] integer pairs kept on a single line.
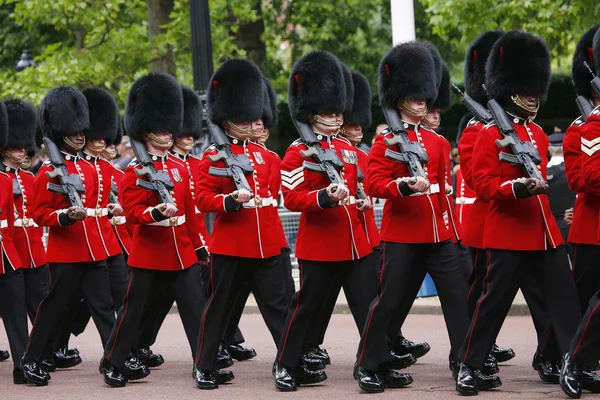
[[380, 182], [47, 205], [465, 149], [275, 174], [209, 195], [9, 212], [590, 144], [136, 200]]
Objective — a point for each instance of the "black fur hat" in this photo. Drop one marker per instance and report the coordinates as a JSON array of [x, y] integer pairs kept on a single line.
[[104, 114], [437, 60], [316, 86], [22, 123], [235, 92], [361, 110], [348, 81], [407, 72], [519, 63], [596, 51], [119, 137], [477, 55], [444, 99], [583, 53], [462, 124], [154, 104], [270, 110], [64, 111], [3, 126], [192, 113]]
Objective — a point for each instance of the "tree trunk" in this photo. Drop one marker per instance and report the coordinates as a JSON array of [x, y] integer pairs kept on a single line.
[[79, 37], [158, 15], [248, 37]]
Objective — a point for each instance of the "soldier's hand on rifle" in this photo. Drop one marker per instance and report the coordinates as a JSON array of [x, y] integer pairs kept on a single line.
[[535, 186], [75, 213], [364, 205], [1, 237], [419, 184], [568, 216], [168, 210], [337, 192], [241, 196], [115, 209]]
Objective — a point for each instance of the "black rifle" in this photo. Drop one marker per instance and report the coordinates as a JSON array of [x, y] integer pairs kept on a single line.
[[411, 153], [70, 184], [360, 190], [480, 113], [236, 166], [595, 82], [158, 181], [524, 153], [17, 192], [585, 106], [114, 193]]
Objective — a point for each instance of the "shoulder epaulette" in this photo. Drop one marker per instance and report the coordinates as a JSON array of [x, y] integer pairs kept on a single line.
[[472, 121], [47, 162], [578, 121], [384, 131], [489, 125], [297, 142], [133, 163]]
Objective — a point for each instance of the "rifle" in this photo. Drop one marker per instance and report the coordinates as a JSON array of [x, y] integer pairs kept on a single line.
[[411, 153], [158, 181], [480, 112], [70, 184], [236, 166], [584, 104], [17, 192], [524, 153], [360, 190], [114, 192]]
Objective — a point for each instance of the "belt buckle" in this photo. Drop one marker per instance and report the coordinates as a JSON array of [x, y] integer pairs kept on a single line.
[[117, 220], [173, 221], [25, 222], [346, 201], [257, 201], [98, 212]]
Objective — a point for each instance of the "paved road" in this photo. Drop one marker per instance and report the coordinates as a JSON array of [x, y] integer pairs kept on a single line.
[[253, 378]]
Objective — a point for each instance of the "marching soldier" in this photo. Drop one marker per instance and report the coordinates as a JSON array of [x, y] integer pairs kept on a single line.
[[332, 243], [407, 82], [12, 284], [235, 102], [75, 252], [153, 114], [520, 232]]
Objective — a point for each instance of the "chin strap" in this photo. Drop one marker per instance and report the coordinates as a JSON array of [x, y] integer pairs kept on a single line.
[[154, 138], [430, 124], [417, 112], [110, 155], [73, 145], [184, 146], [517, 100], [15, 159], [326, 122], [347, 135], [95, 148], [245, 133], [26, 163]]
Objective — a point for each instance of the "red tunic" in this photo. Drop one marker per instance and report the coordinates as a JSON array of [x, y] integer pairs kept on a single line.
[[587, 206], [414, 218], [73, 243], [275, 186], [121, 227], [465, 198], [590, 158], [7, 228], [160, 244], [368, 217], [325, 233], [450, 217], [513, 222], [253, 230], [27, 234]]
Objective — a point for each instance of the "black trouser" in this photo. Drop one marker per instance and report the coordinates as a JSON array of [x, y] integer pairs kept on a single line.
[[67, 282], [585, 346], [14, 312], [37, 287], [505, 273], [142, 283], [316, 278], [586, 272], [118, 275], [404, 264], [316, 335], [227, 275]]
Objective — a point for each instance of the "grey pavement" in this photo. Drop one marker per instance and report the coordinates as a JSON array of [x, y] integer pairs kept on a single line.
[[432, 379]]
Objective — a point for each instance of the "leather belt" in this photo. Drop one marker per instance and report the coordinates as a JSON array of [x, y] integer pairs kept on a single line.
[[119, 220], [25, 223], [96, 212], [3, 223], [172, 221], [260, 202], [465, 200]]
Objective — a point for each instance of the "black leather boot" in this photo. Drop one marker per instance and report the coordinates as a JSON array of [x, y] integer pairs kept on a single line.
[[398, 361], [223, 376], [33, 373], [502, 354], [62, 359], [4, 355], [305, 376], [404, 346], [317, 353], [590, 381], [549, 371], [570, 377], [391, 378], [224, 359], [284, 379], [368, 380], [491, 366], [112, 376], [240, 353], [148, 358], [204, 379], [134, 369]]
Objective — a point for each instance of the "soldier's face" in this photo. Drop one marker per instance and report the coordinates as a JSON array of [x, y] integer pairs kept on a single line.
[[353, 133], [77, 139], [95, 146], [15, 153], [184, 143], [328, 124], [417, 104], [244, 129], [434, 117], [163, 142], [110, 152]]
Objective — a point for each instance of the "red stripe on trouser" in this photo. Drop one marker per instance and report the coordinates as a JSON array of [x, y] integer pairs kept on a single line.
[[287, 332], [366, 335], [585, 329], [212, 292], [126, 302], [475, 273], [545, 342], [478, 307]]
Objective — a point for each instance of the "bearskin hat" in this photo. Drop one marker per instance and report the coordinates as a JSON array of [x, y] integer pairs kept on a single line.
[[477, 55], [22, 123], [519, 63], [316, 86], [438, 62], [104, 114], [3, 126], [192, 113], [154, 104], [361, 110], [444, 98], [119, 136], [583, 53], [596, 51], [270, 110], [348, 81], [64, 111], [235, 92], [407, 72]]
